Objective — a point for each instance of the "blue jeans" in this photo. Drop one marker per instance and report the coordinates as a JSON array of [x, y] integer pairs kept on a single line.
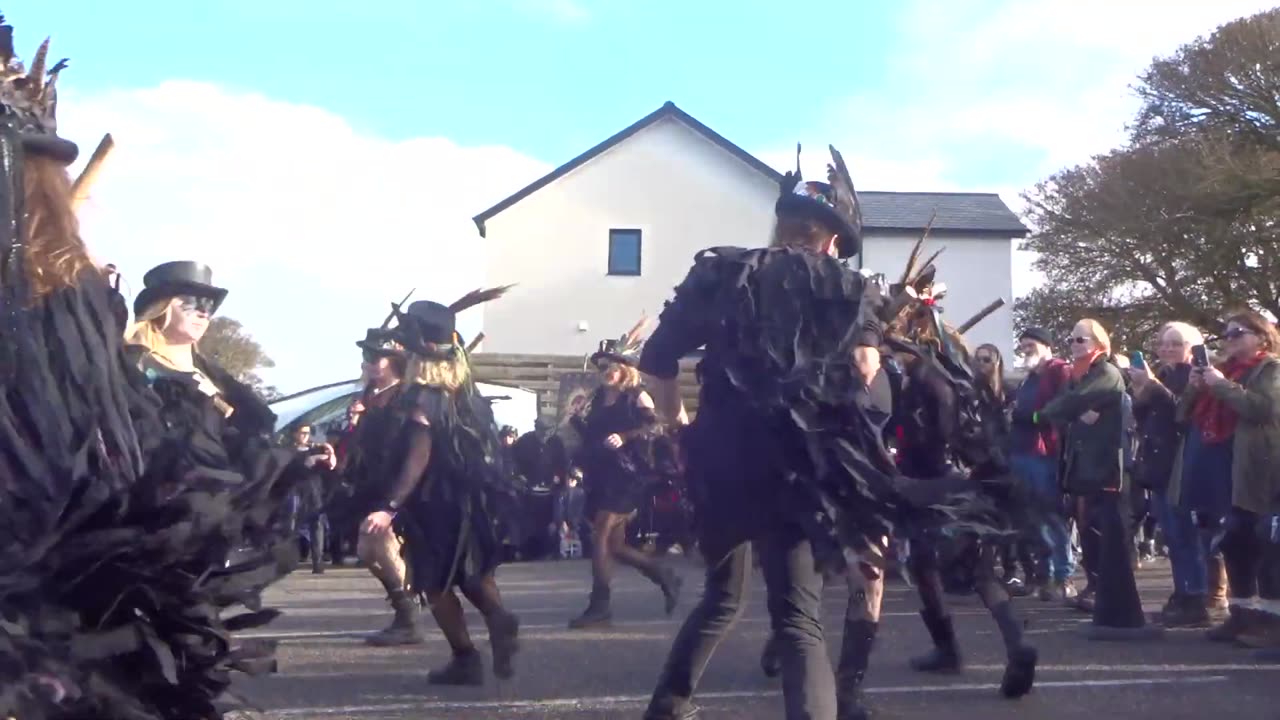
[[1186, 548], [1040, 475]]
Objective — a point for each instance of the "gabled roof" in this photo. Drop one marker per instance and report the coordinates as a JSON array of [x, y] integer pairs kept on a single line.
[[957, 213]]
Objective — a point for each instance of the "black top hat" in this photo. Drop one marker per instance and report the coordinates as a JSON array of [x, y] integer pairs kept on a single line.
[[611, 351], [380, 341], [834, 204], [174, 279], [428, 329]]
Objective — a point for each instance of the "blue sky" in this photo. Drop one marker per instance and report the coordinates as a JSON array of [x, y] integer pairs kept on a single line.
[[294, 144]]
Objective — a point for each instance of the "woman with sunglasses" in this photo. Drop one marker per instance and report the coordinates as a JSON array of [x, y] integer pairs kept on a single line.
[[1229, 474], [1091, 416]]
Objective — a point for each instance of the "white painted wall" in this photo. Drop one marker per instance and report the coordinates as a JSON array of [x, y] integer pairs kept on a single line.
[[682, 190], [976, 270], [686, 194]]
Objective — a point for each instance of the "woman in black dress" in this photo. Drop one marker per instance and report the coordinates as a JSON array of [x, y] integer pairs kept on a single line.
[[116, 559], [451, 492], [619, 442]]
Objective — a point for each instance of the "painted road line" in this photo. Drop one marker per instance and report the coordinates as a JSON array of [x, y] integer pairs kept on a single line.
[[613, 702]]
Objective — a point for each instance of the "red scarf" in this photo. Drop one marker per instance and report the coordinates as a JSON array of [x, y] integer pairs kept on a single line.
[[1214, 418], [1080, 366]]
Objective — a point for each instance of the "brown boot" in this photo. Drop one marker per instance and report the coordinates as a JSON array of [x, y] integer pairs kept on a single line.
[[1264, 634], [1239, 621], [1216, 598], [404, 628]]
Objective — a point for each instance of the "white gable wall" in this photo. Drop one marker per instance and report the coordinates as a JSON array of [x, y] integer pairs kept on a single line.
[[976, 271], [684, 192]]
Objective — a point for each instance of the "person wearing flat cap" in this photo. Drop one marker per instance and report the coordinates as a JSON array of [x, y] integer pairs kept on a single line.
[[450, 493]]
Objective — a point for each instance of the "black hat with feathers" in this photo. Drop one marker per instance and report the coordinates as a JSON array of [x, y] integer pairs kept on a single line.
[[833, 203], [429, 329]]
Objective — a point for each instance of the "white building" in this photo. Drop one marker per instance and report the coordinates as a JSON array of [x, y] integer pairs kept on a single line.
[[607, 236]]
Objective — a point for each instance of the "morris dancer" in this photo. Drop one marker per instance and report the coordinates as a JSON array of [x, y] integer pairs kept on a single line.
[[450, 489]]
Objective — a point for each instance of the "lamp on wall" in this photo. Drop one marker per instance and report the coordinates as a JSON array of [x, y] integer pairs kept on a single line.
[[583, 326]]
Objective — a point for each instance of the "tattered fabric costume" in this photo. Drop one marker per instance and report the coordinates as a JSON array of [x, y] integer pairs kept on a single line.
[[114, 572]]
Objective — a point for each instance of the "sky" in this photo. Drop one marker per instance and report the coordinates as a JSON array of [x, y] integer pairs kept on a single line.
[[326, 157]]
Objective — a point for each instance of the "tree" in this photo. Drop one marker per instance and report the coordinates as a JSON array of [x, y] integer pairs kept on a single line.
[[1184, 222], [234, 350]]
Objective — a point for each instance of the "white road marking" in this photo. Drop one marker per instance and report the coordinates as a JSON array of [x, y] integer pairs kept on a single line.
[[608, 702]]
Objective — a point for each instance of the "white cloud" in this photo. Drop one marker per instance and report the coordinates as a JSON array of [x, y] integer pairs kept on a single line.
[[313, 226], [564, 11], [1036, 84]]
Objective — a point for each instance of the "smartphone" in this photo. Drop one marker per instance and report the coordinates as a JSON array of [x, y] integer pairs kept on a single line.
[[1138, 360], [1200, 356]]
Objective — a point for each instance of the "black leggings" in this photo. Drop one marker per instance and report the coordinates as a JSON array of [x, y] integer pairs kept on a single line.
[[1244, 550]]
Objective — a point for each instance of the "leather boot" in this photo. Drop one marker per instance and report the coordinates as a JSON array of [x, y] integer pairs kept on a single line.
[[770, 661], [1216, 597], [1020, 667], [855, 656], [504, 633], [1239, 621], [598, 612], [403, 629], [465, 668], [945, 656]]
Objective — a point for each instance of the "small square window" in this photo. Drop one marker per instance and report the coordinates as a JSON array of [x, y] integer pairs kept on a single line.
[[624, 252]]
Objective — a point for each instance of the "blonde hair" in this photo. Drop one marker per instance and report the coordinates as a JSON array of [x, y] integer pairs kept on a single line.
[[1097, 333], [148, 327], [630, 376], [1188, 332], [451, 374]]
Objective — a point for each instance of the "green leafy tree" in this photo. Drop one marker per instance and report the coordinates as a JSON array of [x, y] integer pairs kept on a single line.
[[234, 350], [1182, 224]]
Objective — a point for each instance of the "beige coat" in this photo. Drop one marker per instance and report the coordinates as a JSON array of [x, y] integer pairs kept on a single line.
[[1255, 468]]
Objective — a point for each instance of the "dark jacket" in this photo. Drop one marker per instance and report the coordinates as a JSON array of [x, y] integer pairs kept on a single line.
[[1159, 430], [1092, 456], [1037, 390]]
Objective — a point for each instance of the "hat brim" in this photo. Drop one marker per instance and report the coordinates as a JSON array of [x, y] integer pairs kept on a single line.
[[155, 293], [379, 349], [600, 359], [849, 242], [60, 149]]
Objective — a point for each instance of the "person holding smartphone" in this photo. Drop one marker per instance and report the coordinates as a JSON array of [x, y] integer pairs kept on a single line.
[[1156, 394], [1229, 474]]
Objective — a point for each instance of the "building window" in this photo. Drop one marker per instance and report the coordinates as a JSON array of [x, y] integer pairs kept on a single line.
[[624, 252]]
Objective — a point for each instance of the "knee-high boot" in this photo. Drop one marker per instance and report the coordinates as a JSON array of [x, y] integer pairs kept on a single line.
[[945, 656], [598, 612], [855, 656]]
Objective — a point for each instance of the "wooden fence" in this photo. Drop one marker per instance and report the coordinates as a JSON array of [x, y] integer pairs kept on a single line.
[[541, 374]]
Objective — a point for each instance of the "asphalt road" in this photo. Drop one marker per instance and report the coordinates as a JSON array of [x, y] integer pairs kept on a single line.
[[327, 672]]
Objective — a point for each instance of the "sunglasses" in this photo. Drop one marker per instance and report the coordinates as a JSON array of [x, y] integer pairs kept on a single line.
[[370, 356], [1079, 340], [1235, 333], [191, 303]]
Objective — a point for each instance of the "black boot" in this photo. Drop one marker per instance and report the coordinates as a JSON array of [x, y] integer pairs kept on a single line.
[[597, 613], [855, 655], [670, 583], [945, 656], [1020, 668], [770, 662], [403, 629], [466, 668], [504, 633]]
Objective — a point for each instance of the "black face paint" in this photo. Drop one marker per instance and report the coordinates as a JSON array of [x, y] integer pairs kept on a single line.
[[193, 304], [370, 357]]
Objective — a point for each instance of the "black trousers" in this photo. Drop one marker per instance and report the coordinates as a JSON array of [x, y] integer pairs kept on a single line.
[[794, 589], [1106, 542]]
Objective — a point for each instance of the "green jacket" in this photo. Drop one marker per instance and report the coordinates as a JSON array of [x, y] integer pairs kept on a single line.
[[1255, 446], [1092, 454]]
